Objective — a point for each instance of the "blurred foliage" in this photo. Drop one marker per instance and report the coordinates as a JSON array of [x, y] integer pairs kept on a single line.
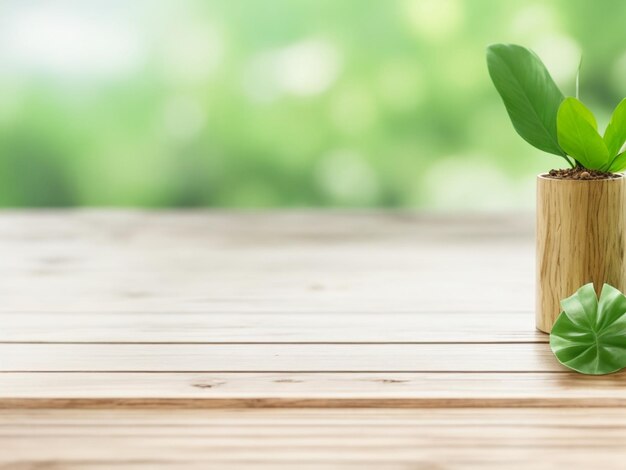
[[258, 103]]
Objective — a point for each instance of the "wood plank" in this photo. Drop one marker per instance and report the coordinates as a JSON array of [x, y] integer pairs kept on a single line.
[[471, 357], [132, 261], [367, 293], [437, 438], [37, 225], [101, 240], [477, 283], [270, 328], [254, 390]]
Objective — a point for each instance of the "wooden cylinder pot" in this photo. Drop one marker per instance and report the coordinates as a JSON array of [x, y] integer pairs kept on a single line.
[[581, 238]]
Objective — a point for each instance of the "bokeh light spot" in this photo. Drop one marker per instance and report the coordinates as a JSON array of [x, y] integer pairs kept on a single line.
[[183, 117], [192, 52], [434, 19], [347, 179], [305, 68], [452, 186], [54, 38], [561, 54]]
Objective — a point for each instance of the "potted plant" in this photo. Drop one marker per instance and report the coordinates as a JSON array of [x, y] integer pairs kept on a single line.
[[581, 226]]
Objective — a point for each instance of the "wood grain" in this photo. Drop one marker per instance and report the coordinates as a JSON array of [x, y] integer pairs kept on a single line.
[[88, 262], [581, 238], [451, 439], [470, 357], [321, 327], [304, 389]]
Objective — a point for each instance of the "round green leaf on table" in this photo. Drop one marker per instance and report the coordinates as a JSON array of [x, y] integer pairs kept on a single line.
[[590, 334]]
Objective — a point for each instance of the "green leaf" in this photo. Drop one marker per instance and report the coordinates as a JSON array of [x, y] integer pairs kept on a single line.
[[529, 94], [590, 335], [618, 164], [578, 134], [615, 134]]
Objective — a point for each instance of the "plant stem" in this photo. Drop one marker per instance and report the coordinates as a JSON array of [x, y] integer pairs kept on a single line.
[[608, 167]]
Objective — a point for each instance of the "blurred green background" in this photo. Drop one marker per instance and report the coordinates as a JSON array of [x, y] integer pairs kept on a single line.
[[279, 103]]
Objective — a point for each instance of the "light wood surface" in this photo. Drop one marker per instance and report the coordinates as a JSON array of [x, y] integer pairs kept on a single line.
[[581, 238], [178, 390], [196, 339], [370, 439], [468, 357], [303, 327]]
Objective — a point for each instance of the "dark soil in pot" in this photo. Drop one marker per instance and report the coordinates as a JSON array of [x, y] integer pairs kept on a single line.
[[581, 174]]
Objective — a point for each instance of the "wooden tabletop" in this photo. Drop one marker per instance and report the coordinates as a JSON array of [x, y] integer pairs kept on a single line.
[[301, 339]]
